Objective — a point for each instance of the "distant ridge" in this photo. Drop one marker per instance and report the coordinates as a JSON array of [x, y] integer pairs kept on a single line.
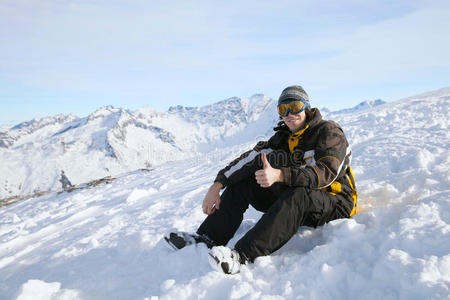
[[442, 92], [365, 105]]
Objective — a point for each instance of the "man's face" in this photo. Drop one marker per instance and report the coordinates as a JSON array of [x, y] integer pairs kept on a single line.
[[296, 121]]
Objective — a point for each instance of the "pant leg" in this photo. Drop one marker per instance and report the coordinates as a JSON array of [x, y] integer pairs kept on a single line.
[[221, 225], [294, 208]]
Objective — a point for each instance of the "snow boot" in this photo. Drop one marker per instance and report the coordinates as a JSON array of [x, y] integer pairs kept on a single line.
[[178, 240], [225, 260]]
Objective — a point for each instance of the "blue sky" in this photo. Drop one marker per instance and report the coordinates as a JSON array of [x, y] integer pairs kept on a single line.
[[76, 56]]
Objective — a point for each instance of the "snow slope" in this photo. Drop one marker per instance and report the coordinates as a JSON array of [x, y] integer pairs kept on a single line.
[[105, 242]]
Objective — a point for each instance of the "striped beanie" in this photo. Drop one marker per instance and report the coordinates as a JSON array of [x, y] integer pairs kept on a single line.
[[294, 92]]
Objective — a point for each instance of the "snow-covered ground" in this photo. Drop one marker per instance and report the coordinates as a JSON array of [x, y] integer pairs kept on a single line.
[[105, 242]]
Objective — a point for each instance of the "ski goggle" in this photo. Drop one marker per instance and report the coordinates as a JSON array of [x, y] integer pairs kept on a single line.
[[293, 106]]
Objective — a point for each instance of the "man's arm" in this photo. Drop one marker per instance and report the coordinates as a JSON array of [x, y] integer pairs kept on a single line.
[[244, 166]]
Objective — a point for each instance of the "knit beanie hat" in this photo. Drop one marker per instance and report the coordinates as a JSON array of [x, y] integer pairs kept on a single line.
[[294, 92]]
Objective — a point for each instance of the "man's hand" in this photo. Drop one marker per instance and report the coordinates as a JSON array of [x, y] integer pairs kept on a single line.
[[268, 175], [212, 199]]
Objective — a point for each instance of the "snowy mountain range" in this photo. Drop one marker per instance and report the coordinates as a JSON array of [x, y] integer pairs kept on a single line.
[[111, 141], [105, 241]]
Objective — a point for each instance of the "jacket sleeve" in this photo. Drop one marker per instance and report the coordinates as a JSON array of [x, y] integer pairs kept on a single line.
[[249, 162], [325, 163], [242, 167]]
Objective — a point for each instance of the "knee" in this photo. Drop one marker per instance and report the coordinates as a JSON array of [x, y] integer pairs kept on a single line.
[[300, 200], [235, 196], [243, 184], [295, 195]]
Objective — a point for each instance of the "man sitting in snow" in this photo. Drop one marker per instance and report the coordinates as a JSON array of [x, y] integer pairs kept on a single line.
[[301, 176]]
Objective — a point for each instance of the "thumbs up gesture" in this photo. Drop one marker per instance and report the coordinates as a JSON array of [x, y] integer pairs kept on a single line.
[[268, 175]]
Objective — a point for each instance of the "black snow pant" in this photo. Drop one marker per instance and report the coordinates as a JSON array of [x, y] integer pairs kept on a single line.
[[284, 212]]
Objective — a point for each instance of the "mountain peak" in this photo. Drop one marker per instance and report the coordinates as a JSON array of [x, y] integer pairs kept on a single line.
[[365, 105], [103, 112], [180, 108], [38, 123]]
